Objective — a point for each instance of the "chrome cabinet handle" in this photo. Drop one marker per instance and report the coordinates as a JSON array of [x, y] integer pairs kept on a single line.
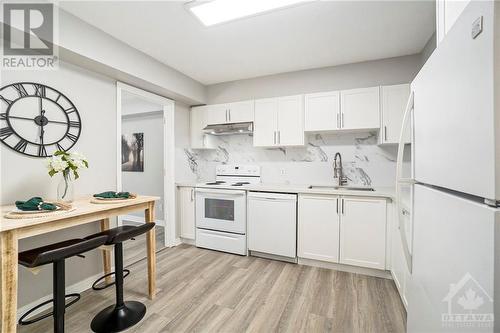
[[337, 206], [192, 194], [274, 137], [343, 211], [338, 121], [229, 111], [385, 133], [342, 120], [279, 137]]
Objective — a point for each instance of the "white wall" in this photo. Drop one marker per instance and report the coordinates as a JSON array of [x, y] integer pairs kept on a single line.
[[24, 177], [148, 182], [363, 74]]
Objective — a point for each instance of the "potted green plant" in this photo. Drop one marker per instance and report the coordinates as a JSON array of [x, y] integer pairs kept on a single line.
[[68, 165]]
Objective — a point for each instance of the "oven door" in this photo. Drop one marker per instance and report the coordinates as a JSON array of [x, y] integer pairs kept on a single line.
[[221, 210]]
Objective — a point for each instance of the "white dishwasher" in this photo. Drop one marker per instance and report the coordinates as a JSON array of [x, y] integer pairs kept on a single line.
[[272, 223]]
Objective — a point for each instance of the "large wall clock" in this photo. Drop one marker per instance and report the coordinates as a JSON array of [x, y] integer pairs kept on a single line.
[[37, 120]]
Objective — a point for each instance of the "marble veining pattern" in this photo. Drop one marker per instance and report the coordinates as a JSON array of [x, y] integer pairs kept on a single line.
[[364, 162]]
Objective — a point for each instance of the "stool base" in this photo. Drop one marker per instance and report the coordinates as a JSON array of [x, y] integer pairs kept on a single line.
[[117, 319]]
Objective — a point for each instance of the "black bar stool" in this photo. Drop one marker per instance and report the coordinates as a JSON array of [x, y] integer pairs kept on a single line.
[[56, 254], [122, 315]]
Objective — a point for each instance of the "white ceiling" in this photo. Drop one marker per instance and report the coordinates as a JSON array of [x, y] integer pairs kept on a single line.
[[312, 35]]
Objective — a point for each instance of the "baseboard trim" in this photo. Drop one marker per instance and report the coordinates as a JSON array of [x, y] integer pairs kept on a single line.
[[78, 287], [346, 268], [187, 241]]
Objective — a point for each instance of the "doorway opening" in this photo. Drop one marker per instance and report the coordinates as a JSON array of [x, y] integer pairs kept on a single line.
[[145, 147]]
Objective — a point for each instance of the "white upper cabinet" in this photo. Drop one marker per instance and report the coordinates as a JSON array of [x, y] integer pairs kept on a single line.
[[266, 122], [279, 121], [241, 112], [198, 121], [393, 104], [322, 111], [217, 114], [360, 109], [291, 121], [318, 227], [237, 112], [363, 232]]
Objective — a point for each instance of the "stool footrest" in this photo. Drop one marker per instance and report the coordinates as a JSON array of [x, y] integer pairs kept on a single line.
[[95, 286], [23, 321]]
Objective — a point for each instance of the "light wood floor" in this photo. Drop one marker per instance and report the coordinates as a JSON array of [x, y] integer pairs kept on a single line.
[[207, 291]]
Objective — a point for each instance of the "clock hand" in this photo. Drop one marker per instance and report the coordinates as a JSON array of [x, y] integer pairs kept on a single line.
[[49, 121]]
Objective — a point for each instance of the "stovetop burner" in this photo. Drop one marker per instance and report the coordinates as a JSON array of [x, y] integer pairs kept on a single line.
[[240, 184], [217, 182]]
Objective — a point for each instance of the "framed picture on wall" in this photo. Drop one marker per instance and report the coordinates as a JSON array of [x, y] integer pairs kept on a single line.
[[133, 152]]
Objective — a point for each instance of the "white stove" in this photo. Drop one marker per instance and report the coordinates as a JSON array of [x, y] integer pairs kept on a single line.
[[221, 210], [236, 175]]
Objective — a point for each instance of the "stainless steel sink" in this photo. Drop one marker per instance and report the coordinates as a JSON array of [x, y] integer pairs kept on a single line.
[[337, 188]]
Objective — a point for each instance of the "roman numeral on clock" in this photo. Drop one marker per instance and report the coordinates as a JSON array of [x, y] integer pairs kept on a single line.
[[8, 101], [74, 124], [20, 90], [39, 90], [5, 133], [70, 110], [21, 146], [3, 116], [72, 137], [42, 152]]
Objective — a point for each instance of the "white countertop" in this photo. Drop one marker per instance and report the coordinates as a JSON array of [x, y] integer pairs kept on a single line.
[[380, 192]]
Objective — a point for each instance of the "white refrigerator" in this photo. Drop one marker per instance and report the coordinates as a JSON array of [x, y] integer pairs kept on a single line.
[[448, 180]]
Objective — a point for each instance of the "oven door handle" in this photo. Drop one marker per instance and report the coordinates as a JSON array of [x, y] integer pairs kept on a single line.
[[224, 192]]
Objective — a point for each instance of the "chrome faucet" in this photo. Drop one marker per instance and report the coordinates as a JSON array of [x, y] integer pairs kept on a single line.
[[338, 172]]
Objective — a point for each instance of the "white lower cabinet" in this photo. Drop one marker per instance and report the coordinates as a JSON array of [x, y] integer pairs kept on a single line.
[[347, 230], [186, 212], [272, 223], [363, 232], [318, 227]]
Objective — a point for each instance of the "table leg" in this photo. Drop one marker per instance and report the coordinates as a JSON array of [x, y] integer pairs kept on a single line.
[[151, 243], [106, 254], [8, 268]]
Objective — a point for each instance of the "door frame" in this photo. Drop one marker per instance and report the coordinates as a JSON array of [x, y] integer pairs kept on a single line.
[[169, 205]]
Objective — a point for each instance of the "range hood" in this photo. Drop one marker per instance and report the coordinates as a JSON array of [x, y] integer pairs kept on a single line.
[[228, 129]]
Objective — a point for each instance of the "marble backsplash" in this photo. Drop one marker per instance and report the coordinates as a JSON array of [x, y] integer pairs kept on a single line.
[[364, 162]]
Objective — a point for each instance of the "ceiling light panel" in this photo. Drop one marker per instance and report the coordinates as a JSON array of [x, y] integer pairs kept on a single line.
[[220, 11]]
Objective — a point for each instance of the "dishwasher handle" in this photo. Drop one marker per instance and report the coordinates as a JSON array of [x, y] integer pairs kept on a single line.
[[272, 196]]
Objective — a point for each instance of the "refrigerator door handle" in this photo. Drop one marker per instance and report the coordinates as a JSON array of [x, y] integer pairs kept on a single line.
[[404, 213]]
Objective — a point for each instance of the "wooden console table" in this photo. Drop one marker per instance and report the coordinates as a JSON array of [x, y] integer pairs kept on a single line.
[[11, 230]]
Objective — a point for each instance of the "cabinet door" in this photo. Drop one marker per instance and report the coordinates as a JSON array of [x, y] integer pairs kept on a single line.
[[218, 114], [360, 108], [187, 212], [362, 232], [241, 112], [291, 121], [272, 224], [322, 111], [393, 103], [318, 229], [198, 121], [266, 122]]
